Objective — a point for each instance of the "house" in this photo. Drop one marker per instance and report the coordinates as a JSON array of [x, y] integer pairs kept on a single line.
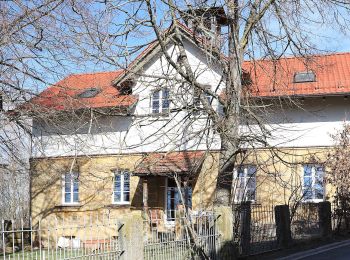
[[111, 142]]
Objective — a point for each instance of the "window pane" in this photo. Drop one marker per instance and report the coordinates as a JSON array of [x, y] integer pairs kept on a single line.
[[155, 95], [251, 171], [76, 186], [75, 197], [319, 171], [67, 187], [67, 177], [251, 183], [307, 194], [240, 172], [155, 107], [307, 170], [117, 197], [126, 197], [67, 197], [308, 182], [126, 176], [319, 193]]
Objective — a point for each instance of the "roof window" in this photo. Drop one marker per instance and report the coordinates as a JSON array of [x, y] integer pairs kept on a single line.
[[89, 93], [305, 76]]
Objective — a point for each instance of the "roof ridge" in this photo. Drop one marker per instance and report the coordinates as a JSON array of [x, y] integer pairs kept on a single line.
[[93, 73], [297, 57]]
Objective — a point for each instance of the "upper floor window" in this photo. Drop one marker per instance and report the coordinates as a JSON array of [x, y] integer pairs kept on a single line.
[[121, 187], [245, 183], [71, 188], [161, 101], [313, 188]]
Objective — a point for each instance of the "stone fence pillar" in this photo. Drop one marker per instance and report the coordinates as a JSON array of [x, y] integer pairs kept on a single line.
[[283, 232], [325, 218], [245, 218]]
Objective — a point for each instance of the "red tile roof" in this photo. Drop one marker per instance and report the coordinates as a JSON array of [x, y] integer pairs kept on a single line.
[[170, 163], [64, 94], [272, 79]]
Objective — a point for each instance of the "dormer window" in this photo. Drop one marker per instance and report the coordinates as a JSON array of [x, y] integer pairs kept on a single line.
[[160, 101], [125, 87], [89, 93], [306, 76]]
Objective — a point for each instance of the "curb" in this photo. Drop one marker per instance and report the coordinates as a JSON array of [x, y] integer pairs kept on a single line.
[[315, 251]]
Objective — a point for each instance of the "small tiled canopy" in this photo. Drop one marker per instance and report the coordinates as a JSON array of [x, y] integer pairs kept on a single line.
[[163, 164]]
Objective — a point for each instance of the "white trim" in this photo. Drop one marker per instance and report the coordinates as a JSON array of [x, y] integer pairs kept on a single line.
[[120, 172], [313, 178]]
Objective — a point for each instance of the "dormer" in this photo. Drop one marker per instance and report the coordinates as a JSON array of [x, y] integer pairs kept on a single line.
[[206, 22]]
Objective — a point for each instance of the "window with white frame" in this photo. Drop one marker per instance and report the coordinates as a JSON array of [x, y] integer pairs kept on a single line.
[[160, 101], [121, 187], [71, 188], [245, 183], [313, 186]]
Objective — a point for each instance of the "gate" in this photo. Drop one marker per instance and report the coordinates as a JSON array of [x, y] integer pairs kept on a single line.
[[185, 237]]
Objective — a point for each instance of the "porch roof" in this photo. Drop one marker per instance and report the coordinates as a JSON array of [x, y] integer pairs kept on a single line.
[[162, 164]]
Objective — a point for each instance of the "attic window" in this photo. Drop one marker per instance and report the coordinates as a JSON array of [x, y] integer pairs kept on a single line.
[[306, 76], [89, 93]]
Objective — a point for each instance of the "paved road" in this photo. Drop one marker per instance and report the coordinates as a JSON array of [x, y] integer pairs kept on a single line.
[[340, 253], [334, 251]]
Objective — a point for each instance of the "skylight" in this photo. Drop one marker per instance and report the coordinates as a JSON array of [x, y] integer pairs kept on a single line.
[[89, 93], [305, 76]]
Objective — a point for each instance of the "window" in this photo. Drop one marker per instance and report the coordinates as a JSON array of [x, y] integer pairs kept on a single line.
[[313, 188], [161, 101], [306, 76], [245, 183], [121, 187], [71, 188]]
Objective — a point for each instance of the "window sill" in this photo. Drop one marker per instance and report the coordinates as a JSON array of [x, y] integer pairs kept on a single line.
[[312, 201], [76, 205], [119, 205], [160, 116]]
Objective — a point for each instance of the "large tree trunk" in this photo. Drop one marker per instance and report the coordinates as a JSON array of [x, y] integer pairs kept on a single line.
[[229, 131]]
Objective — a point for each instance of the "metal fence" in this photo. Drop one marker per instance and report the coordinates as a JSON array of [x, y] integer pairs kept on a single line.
[[74, 238], [305, 223], [182, 237], [254, 229]]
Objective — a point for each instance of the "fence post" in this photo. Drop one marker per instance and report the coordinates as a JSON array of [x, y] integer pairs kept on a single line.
[[325, 219], [245, 222], [225, 229], [283, 232]]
